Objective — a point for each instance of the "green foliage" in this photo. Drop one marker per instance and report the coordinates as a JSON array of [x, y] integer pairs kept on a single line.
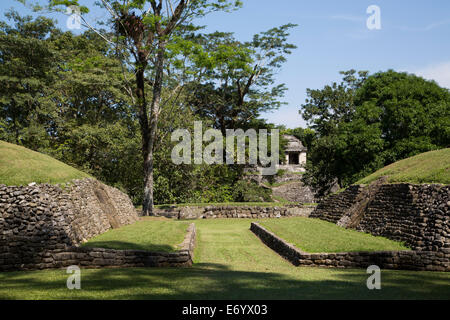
[[236, 80], [306, 136], [365, 123], [413, 113], [66, 99], [26, 64], [67, 3], [67, 96], [188, 183], [218, 193], [245, 191], [214, 183], [196, 8], [143, 33]]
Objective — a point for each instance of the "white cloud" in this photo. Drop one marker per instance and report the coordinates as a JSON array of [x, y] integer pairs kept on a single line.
[[429, 27], [438, 72]]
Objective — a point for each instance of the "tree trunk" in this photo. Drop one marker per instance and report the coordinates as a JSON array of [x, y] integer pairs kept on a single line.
[[147, 206], [143, 116]]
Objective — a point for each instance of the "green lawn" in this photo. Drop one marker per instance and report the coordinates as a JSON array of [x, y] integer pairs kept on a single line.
[[429, 167], [158, 235], [317, 236], [230, 263], [20, 166]]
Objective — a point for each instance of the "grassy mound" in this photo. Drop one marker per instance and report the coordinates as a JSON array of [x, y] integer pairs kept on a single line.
[[20, 166], [151, 234], [317, 236], [429, 167]]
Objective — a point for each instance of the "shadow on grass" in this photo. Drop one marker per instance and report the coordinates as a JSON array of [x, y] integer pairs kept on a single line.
[[214, 281], [124, 245]]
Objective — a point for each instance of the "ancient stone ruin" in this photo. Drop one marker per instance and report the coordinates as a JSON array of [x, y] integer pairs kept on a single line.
[[230, 211], [295, 155], [42, 227], [417, 215], [401, 260]]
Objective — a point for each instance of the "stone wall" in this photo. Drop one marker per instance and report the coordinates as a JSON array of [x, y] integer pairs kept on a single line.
[[401, 260], [294, 192], [42, 218], [106, 258], [249, 212], [290, 186], [335, 206], [417, 215]]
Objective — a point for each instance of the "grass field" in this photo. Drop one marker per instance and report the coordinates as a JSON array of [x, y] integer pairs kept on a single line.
[[317, 236], [429, 167], [230, 263], [149, 234], [20, 166]]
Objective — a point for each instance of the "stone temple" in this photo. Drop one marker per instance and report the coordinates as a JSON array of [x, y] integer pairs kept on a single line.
[[295, 154]]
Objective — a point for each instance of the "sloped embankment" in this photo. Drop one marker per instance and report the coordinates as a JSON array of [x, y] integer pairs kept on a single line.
[[417, 215], [40, 220]]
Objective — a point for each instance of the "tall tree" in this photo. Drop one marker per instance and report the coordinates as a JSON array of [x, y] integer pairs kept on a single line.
[[414, 113], [26, 71], [326, 110], [145, 29], [237, 79], [367, 122]]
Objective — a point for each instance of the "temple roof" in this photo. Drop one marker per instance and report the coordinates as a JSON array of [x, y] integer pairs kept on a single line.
[[293, 144]]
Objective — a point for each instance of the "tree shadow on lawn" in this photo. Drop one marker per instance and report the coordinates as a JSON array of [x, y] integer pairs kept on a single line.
[[213, 281], [123, 245]]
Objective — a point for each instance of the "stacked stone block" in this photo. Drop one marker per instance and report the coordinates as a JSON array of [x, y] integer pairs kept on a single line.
[[228, 212], [401, 260], [38, 219]]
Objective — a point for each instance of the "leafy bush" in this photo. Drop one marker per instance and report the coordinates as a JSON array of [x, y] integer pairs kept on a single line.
[[245, 191]]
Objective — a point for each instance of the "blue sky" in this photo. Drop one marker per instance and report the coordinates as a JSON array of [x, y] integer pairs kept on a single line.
[[332, 36]]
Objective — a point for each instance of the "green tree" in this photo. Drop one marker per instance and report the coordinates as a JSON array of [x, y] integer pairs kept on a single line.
[[145, 29], [236, 80], [306, 136], [367, 122], [329, 113], [84, 117], [26, 70], [63, 95], [414, 113]]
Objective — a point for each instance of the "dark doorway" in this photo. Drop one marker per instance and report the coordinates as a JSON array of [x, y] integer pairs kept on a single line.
[[294, 158]]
